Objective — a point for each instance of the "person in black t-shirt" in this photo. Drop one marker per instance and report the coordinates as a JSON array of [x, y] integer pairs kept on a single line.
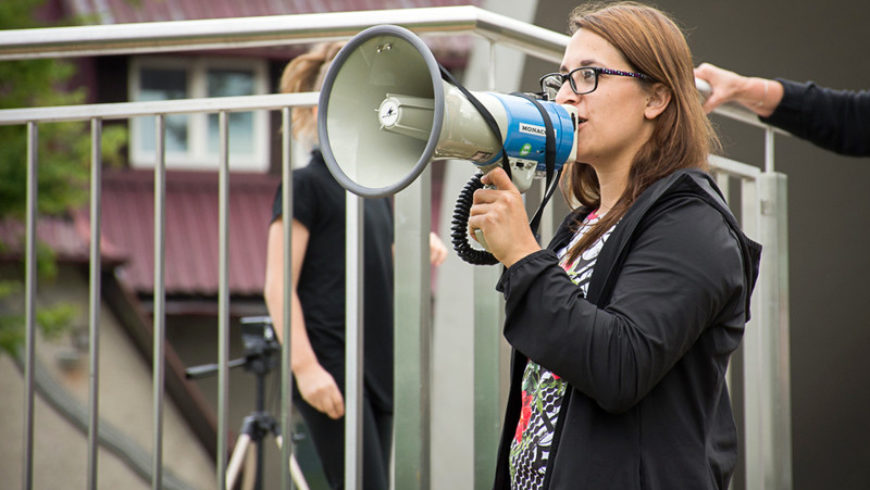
[[836, 120], [318, 296]]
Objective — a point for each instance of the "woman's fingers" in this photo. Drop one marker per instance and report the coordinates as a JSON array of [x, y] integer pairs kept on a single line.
[[501, 215], [320, 390], [499, 178], [437, 250], [334, 405]]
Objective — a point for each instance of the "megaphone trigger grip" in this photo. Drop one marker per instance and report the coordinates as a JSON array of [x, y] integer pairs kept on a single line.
[[481, 239]]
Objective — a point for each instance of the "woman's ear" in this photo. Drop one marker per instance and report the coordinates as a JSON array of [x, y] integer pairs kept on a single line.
[[657, 102]]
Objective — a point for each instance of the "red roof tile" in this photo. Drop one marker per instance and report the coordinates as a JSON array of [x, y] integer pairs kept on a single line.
[[191, 231], [67, 236], [125, 11]]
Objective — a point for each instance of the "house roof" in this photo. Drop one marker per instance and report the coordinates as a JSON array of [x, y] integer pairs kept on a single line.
[[191, 229], [124, 11], [67, 236]]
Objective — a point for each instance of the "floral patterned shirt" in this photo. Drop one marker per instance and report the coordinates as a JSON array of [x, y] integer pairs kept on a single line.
[[544, 390]]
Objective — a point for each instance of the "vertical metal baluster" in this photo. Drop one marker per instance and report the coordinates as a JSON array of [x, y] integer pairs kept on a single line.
[[775, 333], [773, 286], [487, 360], [95, 289], [30, 299], [490, 76], [768, 149], [159, 299], [752, 362], [286, 373], [354, 343], [413, 333], [223, 301]]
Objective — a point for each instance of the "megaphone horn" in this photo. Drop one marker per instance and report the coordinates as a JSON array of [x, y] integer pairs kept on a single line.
[[385, 113]]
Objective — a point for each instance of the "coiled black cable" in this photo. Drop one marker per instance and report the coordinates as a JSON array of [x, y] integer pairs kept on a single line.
[[459, 227]]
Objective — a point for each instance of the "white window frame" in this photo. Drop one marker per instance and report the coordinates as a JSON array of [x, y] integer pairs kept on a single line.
[[197, 156]]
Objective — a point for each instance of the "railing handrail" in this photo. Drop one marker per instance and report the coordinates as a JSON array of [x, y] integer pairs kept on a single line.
[[125, 110], [273, 30]]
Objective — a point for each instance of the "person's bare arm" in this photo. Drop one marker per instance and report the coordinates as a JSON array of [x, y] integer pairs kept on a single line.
[[315, 384], [759, 95]]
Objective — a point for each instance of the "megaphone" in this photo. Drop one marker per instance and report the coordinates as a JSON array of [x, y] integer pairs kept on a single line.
[[385, 112]]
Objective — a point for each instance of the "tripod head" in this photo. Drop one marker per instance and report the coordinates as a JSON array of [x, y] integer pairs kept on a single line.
[[262, 350]]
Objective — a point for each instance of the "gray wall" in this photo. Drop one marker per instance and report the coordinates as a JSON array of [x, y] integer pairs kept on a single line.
[[828, 210], [126, 391]]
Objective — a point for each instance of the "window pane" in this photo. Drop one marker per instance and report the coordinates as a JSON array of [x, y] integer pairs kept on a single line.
[[227, 83], [163, 84], [241, 128]]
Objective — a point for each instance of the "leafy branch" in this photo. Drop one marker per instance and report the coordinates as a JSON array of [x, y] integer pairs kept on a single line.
[[63, 170]]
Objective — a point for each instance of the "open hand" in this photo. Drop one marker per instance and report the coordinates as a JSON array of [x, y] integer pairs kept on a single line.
[[437, 250]]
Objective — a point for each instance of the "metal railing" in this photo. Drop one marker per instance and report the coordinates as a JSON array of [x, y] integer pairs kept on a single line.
[[763, 209]]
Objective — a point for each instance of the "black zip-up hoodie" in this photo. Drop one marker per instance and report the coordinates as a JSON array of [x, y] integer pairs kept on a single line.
[[644, 355]]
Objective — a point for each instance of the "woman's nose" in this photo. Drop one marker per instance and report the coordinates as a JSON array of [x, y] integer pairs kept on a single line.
[[565, 95]]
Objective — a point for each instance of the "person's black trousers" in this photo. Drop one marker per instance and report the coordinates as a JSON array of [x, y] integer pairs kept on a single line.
[[328, 438]]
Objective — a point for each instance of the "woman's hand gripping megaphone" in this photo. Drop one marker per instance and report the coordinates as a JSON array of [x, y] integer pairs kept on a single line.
[[499, 214]]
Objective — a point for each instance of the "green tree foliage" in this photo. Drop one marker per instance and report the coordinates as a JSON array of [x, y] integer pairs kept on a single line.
[[64, 151]]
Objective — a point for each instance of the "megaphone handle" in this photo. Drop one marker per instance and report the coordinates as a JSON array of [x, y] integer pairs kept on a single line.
[[459, 228], [478, 234]]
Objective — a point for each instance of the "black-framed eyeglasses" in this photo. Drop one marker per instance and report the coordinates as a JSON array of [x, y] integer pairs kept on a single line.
[[583, 80]]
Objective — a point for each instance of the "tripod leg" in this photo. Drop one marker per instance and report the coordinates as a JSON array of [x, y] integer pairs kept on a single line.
[[249, 476], [236, 459], [296, 474], [295, 470]]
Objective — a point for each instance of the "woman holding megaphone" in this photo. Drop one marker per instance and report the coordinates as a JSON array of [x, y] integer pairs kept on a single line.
[[622, 328]]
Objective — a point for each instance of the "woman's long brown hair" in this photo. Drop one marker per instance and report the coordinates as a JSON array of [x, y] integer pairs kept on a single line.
[[305, 74], [683, 136]]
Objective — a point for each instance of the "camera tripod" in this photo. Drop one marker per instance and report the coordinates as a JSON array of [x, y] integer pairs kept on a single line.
[[261, 354]]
